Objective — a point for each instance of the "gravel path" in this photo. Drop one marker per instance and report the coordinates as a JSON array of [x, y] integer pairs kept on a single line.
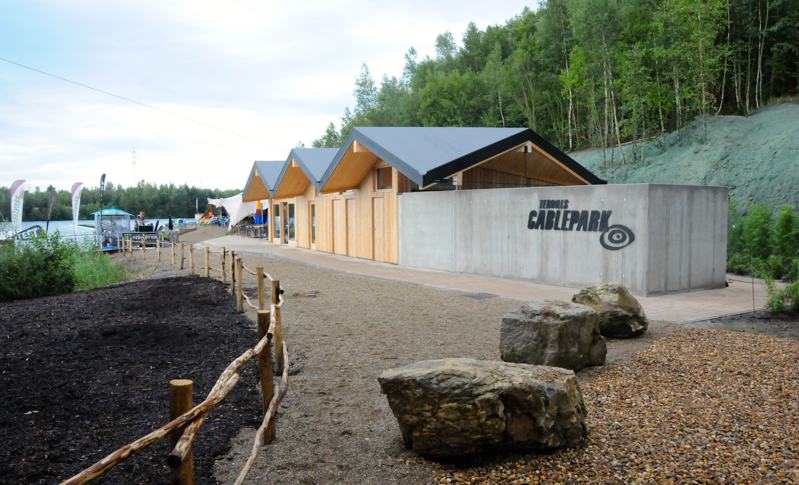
[[336, 427]]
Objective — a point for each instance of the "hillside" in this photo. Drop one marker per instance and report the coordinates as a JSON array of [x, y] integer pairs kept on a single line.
[[757, 156]]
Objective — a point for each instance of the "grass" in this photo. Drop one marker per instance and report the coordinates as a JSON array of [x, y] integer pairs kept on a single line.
[[93, 269]]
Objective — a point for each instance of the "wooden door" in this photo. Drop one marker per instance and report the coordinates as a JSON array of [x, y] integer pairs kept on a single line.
[[351, 240], [339, 227], [377, 228]]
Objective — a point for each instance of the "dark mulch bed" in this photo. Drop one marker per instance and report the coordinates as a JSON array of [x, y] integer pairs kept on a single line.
[[85, 373]]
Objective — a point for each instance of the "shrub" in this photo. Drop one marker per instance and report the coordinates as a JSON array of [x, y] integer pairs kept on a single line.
[[756, 231], [784, 300], [738, 264], [38, 267], [49, 265], [786, 233], [734, 228]]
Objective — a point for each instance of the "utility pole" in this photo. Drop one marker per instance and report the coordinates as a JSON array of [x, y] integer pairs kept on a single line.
[[133, 162]]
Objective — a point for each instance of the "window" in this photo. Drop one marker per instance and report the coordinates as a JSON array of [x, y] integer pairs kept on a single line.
[[384, 178], [276, 218], [313, 223], [292, 233]]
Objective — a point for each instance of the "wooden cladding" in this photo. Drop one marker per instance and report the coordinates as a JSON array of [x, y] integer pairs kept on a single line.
[[361, 223], [256, 190], [352, 169], [482, 178]]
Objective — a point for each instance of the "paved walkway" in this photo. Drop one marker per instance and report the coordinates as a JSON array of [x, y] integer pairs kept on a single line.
[[678, 307]]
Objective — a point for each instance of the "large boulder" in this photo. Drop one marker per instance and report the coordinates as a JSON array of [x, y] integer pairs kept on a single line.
[[552, 332], [620, 314], [455, 407]]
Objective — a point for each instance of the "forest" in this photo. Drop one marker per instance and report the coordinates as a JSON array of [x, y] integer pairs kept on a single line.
[[593, 73], [155, 200]]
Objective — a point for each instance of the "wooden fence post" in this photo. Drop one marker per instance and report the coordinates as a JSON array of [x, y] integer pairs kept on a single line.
[[158, 247], [143, 244], [180, 402], [265, 366], [278, 328], [239, 290], [207, 262], [222, 258], [172, 245], [130, 245], [191, 258], [259, 275], [182, 257], [233, 273]]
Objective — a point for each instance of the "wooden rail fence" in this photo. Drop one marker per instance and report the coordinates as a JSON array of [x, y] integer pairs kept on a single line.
[[186, 419]]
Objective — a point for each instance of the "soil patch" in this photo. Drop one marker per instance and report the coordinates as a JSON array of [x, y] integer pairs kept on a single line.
[[762, 322], [85, 373]]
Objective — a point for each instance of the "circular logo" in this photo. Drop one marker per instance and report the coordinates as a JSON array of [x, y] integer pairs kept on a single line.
[[616, 237]]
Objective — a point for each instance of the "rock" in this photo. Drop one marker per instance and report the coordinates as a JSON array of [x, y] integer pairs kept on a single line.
[[454, 407], [552, 332], [620, 314]]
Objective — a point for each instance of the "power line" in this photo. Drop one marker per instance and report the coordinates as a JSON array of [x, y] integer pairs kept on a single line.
[[142, 104]]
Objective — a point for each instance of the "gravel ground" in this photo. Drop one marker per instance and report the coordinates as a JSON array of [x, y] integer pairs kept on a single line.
[[701, 406], [336, 427]]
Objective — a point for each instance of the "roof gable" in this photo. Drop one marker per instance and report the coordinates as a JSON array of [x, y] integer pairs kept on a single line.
[[429, 154], [261, 182]]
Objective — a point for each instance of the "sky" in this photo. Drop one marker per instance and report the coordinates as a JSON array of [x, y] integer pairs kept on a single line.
[[275, 72]]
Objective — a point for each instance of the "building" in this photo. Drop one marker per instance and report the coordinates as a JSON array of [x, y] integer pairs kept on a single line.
[[260, 183], [499, 202]]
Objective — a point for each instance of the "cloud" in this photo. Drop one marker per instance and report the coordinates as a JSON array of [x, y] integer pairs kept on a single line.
[[274, 71]]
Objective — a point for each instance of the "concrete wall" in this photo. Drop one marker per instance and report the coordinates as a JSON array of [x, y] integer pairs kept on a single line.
[[688, 238], [679, 235]]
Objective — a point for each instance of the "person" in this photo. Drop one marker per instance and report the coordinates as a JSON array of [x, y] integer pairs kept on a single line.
[[170, 226]]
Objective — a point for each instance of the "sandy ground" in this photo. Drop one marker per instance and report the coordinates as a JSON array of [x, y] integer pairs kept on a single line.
[[335, 426]]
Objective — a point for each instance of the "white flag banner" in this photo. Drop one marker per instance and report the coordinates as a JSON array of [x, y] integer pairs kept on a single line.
[[77, 187], [17, 196]]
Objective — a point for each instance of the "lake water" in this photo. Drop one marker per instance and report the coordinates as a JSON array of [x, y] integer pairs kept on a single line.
[[87, 227], [65, 227]]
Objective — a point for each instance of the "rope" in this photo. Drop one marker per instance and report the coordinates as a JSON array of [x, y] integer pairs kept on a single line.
[[247, 299], [217, 269], [247, 269]]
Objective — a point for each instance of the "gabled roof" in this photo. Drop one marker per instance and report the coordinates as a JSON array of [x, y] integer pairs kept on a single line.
[[312, 161], [261, 182], [427, 155]]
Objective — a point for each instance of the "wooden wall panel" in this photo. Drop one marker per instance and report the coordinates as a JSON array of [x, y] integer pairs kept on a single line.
[[352, 218], [340, 226], [482, 178]]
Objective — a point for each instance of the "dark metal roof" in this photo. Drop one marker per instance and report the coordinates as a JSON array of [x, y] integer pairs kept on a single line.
[[429, 154], [268, 171], [313, 162]]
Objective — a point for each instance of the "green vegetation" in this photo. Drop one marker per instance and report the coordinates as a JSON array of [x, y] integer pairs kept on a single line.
[[593, 73], [50, 265], [766, 243], [155, 200]]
